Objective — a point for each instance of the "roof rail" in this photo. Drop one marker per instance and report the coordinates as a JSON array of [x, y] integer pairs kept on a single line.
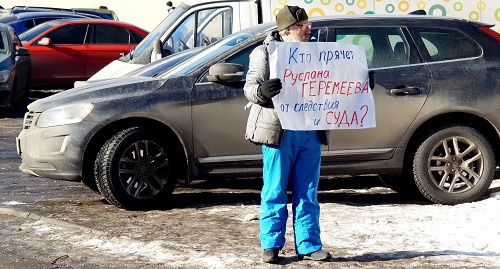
[[38, 8]]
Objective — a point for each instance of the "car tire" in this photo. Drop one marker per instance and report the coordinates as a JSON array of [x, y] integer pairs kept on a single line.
[[135, 169], [454, 164], [403, 185], [97, 171], [91, 182], [25, 90]]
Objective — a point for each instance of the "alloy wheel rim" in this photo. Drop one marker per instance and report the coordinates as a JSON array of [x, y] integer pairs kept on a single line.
[[455, 164], [143, 169]]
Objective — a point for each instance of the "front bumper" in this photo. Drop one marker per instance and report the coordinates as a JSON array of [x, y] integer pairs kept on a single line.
[[53, 152]]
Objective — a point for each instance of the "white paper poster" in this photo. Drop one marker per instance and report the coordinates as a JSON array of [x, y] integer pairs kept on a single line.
[[325, 85]]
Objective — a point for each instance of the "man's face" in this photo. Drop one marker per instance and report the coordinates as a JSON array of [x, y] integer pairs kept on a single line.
[[300, 32]]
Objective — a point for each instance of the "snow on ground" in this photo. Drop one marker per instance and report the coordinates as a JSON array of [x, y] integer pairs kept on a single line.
[[466, 229], [411, 230], [466, 234]]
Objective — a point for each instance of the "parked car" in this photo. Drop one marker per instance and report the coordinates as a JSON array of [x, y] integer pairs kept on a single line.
[[151, 69], [102, 10], [434, 80], [64, 51], [15, 68], [99, 13], [21, 22]]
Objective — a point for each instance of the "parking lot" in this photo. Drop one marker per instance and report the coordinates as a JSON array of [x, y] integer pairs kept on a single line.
[[214, 224]]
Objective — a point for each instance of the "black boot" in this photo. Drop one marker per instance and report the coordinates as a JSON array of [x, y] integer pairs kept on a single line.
[[319, 255], [270, 255]]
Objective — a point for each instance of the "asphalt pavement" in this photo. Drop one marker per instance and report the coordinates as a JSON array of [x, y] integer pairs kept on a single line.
[[48, 223]]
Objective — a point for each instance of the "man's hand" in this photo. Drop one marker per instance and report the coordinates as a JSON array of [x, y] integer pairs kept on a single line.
[[270, 88]]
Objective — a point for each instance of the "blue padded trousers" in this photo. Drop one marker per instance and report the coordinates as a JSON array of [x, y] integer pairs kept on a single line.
[[296, 162]]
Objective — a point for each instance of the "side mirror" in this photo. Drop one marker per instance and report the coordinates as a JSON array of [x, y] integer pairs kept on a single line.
[[44, 41], [22, 51], [225, 72]]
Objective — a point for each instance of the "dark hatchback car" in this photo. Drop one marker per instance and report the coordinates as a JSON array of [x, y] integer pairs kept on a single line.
[[15, 68], [435, 82], [98, 13], [22, 22]]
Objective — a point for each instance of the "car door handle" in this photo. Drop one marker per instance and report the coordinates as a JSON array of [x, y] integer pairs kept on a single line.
[[405, 90]]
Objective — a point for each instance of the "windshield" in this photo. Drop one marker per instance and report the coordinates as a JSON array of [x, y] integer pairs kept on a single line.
[[159, 30], [208, 53], [162, 65], [34, 32]]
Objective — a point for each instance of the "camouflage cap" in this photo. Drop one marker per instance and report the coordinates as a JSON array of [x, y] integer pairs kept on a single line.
[[290, 15]]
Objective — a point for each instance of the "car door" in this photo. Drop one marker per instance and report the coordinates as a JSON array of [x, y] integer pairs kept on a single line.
[[400, 84], [22, 66], [107, 43], [220, 118], [63, 60]]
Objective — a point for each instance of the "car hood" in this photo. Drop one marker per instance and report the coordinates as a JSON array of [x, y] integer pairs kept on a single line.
[[102, 91]]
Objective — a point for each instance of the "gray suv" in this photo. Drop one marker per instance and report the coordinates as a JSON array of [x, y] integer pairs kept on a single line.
[[435, 82]]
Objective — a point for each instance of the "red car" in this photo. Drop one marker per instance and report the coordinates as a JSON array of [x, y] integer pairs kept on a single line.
[[64, 51]]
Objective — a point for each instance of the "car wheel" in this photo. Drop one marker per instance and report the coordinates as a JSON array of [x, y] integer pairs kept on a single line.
[[453, 165], [90, 179], [90, 182], [403, 184], [25, 92], [97, 182], [135, 169]]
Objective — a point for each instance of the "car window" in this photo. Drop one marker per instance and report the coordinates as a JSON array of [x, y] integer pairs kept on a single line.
[[135, 37], [110, 34], [71, 34], [159, 31], [28, 24], [179, 40], [318, 35], [34, 32], [3, 42], [242, 57], [239, 58], [384, 46], [42, 20], [213, 24], [444, 44]]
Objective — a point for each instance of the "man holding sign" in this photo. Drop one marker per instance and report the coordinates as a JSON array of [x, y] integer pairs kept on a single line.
[[291, 157]]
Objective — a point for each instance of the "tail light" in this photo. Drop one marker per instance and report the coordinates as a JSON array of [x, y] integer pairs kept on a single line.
[[490, 32]]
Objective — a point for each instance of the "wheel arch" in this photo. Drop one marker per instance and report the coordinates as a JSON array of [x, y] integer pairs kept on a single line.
[[99, 138], [456, 118]]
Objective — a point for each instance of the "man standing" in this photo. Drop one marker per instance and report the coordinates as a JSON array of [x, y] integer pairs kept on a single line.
[[291, 158]]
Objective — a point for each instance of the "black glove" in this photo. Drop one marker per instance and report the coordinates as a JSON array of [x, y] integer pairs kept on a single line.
[[270, 88]]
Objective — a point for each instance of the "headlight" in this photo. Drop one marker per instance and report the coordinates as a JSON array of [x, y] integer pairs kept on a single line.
[[64, 115], [4, 76]]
